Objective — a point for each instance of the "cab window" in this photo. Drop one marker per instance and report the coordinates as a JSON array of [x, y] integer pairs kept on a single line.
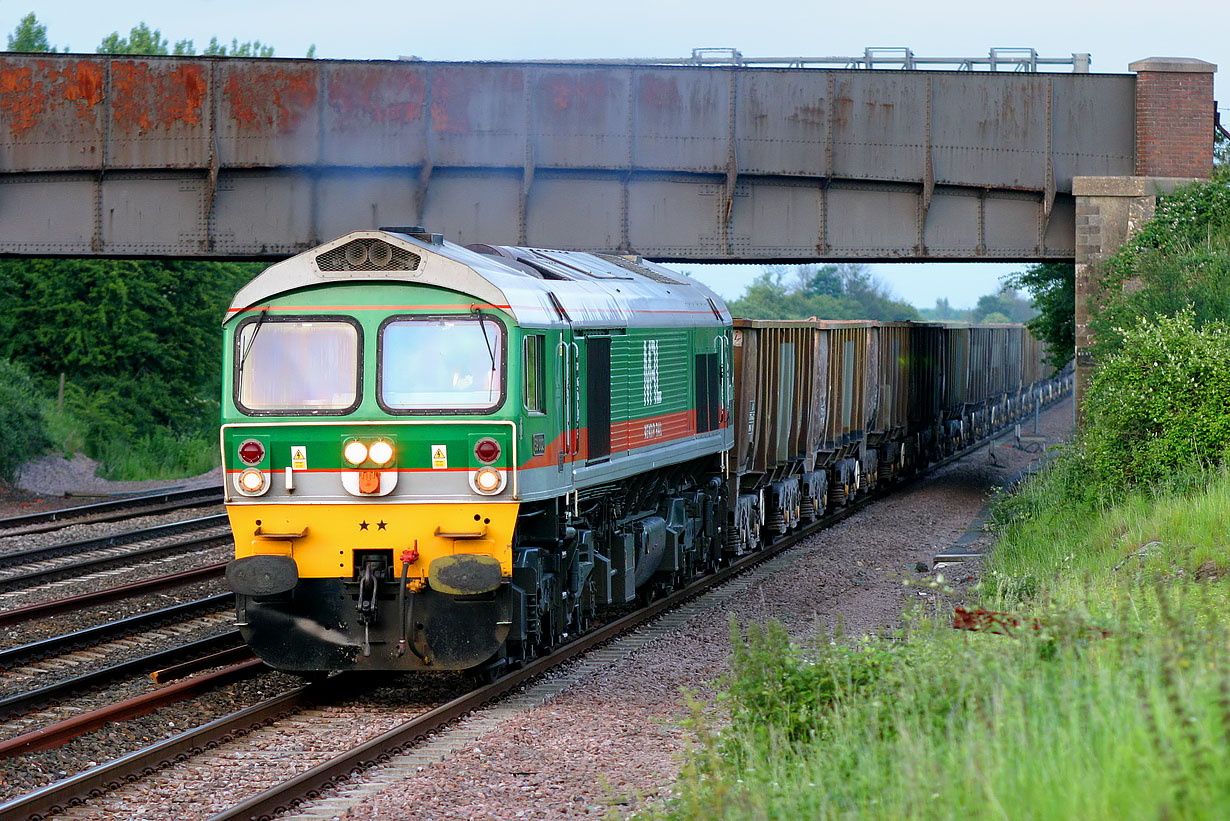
[[297, 366], [441, 364]]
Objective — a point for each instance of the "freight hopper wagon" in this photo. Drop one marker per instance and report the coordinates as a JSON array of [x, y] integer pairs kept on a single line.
[[826, 410], [440, 457]]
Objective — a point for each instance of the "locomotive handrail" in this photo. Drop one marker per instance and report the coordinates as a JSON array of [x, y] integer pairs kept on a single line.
[[576, 392], [260, 534], [481, 533]]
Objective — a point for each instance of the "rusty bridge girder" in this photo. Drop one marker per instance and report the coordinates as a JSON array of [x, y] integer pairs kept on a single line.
[[234, 158]]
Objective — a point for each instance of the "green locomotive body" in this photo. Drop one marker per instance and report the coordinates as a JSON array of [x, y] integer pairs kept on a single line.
[[445, 458]]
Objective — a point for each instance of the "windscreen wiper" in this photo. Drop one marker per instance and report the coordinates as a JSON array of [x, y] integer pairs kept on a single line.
[[483, 325], [260, 321]]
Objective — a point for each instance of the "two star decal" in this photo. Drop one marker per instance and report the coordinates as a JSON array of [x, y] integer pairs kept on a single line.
[[379, 525]]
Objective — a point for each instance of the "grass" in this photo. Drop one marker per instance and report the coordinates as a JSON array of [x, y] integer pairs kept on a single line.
[[159, 453], [1116, 706]]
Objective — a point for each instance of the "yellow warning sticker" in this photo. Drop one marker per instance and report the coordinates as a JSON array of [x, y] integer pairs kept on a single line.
[[439, 457], [298, 457]]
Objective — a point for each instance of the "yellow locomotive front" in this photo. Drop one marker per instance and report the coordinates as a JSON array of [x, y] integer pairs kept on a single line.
[[370, 453]]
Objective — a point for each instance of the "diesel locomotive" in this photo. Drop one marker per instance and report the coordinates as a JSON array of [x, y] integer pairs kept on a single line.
[[440, 457]]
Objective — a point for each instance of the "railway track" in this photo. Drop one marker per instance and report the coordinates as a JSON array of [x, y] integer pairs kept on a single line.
[[321, 776], [145, 504], [42, 565], [24, 702], [42, 671], [84, 600]]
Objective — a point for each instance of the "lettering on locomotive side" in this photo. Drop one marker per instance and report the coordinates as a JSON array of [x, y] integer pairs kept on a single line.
[[653, 430], [653, 388]]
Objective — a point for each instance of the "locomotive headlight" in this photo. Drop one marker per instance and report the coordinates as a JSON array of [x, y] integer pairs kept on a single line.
[[488, 480], [355, 453], [381, 452], [252, 481]]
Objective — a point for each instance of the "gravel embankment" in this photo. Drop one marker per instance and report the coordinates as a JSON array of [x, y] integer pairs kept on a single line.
[[55, 476]]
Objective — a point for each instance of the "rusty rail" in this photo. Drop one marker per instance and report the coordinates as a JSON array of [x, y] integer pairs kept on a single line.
[[36, 577], [32, 699], [131, 624], [60, 733], [56, 798]]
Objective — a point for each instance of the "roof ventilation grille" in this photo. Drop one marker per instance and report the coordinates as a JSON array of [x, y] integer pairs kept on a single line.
[[367, 255]]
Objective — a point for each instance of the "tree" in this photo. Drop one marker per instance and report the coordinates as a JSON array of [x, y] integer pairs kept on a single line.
[[252, 48], [1005, 302], [138, 339], [944, 312], [845, 291], [30, 35], [141, 40], [1053, 288]]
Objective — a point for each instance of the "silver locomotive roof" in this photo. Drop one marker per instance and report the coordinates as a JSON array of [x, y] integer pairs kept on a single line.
[[539, 287]]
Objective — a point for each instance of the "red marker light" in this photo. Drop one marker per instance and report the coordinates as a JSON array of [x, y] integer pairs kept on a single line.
[[251, 452], [487, 450]]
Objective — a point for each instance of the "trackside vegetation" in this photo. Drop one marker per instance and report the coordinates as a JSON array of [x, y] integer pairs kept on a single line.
[[136, 347], [1104, 692], [119, 359]]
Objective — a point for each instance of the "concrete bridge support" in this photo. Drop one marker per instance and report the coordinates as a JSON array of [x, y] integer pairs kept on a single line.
[[1174, 147]]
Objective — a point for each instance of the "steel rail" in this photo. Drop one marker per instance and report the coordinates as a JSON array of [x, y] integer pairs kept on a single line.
[[38, 554], [56, 798], [160, 500], [62, 732], [36, 577], [31, 699], [91, 635], [126, 591]]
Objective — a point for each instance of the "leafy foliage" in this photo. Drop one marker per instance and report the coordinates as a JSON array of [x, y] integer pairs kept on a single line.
[[30, 35], [251, 48], [1179, 261], [773, 684], [1160, 403], [23, 431], [141, 40], [1053, 288], [823, 291], [137, 340], [1005, 305]]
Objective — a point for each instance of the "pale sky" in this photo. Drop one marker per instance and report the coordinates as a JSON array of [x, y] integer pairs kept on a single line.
[[1114, 34]]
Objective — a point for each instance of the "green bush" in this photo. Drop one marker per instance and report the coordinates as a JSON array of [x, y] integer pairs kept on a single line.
[[23, 430], [1179, 261], [1161, 404]]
